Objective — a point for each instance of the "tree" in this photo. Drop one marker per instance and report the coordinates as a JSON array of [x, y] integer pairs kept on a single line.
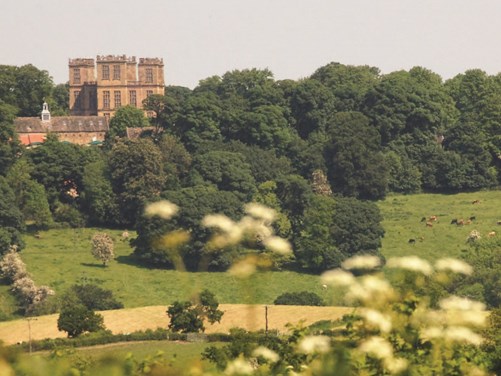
[[9, 143], [126, 117], [186, 317], [11, 218], [98, 199], [356, 166], [314, 244], [137, 175], [357, 227], [75, 318], [102, 248], [226, 170]]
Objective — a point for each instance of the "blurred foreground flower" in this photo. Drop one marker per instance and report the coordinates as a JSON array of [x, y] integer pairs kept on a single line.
[[266, 353], [367, 262], [412, 263], [314, 344], [338, 277], [454, 265], [163, 209]]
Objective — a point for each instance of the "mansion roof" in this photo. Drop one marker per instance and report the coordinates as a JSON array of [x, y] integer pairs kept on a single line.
[[62, 124]]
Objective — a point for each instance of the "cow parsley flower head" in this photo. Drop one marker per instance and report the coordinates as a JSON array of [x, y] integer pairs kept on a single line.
[[219, 221], [337, 277], [367, 262], [369, 289], [266, 353], [242, 269], [378, 347], [239, 366], [463, 335], [454, 265], [461, 304], [278, 245], [377, 319], [412, 263], [314, 344], [396, 365], [163, 209], [260, 212]]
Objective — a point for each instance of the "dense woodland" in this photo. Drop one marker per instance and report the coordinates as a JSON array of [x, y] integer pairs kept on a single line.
[[319, 151]]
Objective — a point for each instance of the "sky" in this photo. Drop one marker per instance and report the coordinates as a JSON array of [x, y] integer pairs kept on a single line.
[[292, 38]]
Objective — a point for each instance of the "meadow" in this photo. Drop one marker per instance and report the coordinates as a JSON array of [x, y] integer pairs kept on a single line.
[[62, 257]]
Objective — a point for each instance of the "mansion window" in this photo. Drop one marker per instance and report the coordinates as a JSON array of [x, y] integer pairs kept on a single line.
[[77, 94], [149, 75], [132, 98], [116, 72], [118, 99], [76, 75], [106, 72], [149, 92], [106, 100]]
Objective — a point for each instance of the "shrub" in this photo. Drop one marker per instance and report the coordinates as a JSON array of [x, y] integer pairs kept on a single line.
[[305, 298], [12, 266], [95, 297]]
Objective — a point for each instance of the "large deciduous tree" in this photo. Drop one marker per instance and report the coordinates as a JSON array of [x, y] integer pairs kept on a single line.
[[356, 166], [137, 175]]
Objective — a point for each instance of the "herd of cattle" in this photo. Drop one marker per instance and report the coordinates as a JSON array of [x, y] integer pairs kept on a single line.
[[430, 220]]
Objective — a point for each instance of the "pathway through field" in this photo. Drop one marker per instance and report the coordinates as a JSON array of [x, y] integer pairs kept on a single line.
[[250, 317]]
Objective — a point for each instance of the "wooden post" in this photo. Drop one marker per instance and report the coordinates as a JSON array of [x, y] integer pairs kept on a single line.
[[266, 318]]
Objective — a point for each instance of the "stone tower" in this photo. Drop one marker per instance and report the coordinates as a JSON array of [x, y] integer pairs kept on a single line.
[[83, 89]]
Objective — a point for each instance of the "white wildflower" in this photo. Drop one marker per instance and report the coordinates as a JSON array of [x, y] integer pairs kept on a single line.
[[377, 319], [412, 263], [370, 288], [361, 262], [314, 344], [431, 333], [473, 318], [242, 269], [463, 335], [219, 221], [457, 303], [163, 209], [255, 228], [377, 347], [266, 353], [454, 265], [396, 365], [278, 245], [260, 211], [239, 367], [337, 277]]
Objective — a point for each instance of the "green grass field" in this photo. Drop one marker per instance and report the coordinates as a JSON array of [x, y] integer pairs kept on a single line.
[[403, 214], [61, 258]]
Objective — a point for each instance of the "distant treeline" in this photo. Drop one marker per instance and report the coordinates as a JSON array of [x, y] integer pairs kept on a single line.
[[317, 150]]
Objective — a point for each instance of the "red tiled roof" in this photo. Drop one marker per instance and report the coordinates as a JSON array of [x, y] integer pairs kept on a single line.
[[30, 139]]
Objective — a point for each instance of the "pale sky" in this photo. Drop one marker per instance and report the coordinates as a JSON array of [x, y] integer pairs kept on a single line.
[[201, 38]]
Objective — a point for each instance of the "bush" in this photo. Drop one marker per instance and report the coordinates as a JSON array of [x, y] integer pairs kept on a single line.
[[95, 297], [305, 298]]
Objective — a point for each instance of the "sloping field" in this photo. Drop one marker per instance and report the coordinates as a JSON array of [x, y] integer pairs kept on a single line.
[[250, 317]]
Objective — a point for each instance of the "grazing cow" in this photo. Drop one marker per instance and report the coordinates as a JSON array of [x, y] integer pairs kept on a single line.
[[412, 241], [475, 202], [423, 219], [429, 224], [491, 234], [498, 223], [38, 236], [472, 218], [460, 222], [454, 221], [468, 222], [125, 235], [433, 218]]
